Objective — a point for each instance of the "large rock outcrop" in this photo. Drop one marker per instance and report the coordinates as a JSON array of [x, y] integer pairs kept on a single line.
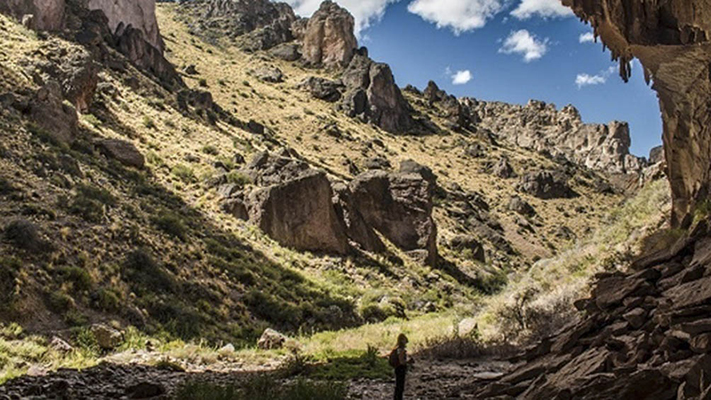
[[292, 203], [672, 40], [399, 206], [329, 38], [371, 94], [140, 14], [541, 127], [259, 24]]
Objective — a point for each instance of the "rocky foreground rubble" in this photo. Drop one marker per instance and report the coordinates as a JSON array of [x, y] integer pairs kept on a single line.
[[645, 334]]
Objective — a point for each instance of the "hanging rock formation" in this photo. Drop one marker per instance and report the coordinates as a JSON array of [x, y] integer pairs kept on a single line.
[[672, 41], [329, 38]]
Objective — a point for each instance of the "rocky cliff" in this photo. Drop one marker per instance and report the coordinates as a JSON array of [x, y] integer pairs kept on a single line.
[[671, 39], [329, 37], [140, 14], [541, 127]]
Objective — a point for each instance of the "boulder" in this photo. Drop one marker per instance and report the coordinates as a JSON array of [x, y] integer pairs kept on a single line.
[[329, 38], [322, 89], [293, 204], [521, 206], [286, 52], [106, 337], [503, 169], [271, 340], [399, 206], [132, 43], [122, 151], [55, 118], [269, 74], [656, 155], [546, 185], [357, 229]]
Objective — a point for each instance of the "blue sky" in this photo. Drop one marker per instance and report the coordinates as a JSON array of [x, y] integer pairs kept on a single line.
[[535, 53]]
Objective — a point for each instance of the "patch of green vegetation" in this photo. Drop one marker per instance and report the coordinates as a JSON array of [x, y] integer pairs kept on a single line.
[[184, 173], [238, 178], [9, 287], [92, 120], [79, 278], [148, 122], [106, 300], [145, 275], [353, 364], [210, 150], [90, 201], [172, 224], [264, 387], [59, 302]]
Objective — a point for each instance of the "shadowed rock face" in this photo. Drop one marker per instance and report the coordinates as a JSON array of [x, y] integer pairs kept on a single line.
[[672, 41], [329, 39], [48, 14]]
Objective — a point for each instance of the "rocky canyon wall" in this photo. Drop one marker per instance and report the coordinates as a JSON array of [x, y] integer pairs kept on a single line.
[[141, 14], [672, 41]]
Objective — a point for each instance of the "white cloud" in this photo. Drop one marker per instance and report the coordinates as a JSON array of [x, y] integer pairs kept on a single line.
[[589, 80], [458, 15], [586, 38], [541, 8], [583, 80], [461, 77], [524, 43], [365, 12]]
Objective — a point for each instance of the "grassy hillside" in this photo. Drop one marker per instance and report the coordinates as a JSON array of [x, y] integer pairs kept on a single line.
[[86, 239]]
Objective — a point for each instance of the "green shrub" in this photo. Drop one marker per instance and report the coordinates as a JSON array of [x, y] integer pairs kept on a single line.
[[184, 173], [148, 122], [79, 278], [106, 300], [211, 150], [145, 275], [171, 224], [23, 234], [9, 269], [92, 120], [60, 302], [238, 178], [89, 203]]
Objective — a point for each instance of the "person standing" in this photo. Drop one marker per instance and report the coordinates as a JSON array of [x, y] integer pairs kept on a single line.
[[400, 361]]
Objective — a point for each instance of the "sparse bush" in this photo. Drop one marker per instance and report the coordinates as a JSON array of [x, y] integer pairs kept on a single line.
[[78, 277], [238, 178], [23, 234], [171, 224], [6, 186], [92, 120], [89, 202], [60, 302], [202, 82], [106, 300], [211, 150], [148, 122], [184, 173], [9, 268], [145, 275]]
